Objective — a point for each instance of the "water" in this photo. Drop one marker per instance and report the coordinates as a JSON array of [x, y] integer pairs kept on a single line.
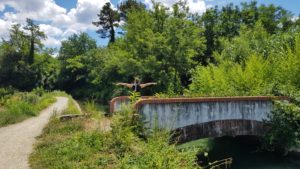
[[245, 154]]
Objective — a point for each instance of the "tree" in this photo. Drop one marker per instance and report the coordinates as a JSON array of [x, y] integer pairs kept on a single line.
[[35, 38], [129, 5], [108, 20], [249, 13], [209, 21], [161, 45], [18, 39], [274, 18], [46, 70], [76, 45], [230, 21], [73, 72]]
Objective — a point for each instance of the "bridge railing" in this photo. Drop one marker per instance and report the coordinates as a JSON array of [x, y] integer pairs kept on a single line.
[[225, 163]]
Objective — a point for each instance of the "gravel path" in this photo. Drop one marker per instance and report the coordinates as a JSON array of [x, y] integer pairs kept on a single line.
[[16, 140]]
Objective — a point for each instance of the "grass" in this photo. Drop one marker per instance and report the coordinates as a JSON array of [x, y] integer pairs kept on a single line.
[[72, 107], [22, 105], [202, 144], [80, 143], [70, 144]]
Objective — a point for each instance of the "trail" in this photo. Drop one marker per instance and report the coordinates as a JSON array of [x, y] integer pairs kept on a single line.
[[16, 141]]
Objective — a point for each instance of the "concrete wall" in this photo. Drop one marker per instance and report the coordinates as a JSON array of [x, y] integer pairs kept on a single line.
[[117, 103], [193, 118], [176, 115]]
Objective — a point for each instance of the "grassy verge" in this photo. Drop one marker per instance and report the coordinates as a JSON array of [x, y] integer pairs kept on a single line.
[[81, 143], [72, 107], [19, 106]]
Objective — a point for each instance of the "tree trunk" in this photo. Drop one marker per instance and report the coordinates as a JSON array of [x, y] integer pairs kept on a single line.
[[31, 52]]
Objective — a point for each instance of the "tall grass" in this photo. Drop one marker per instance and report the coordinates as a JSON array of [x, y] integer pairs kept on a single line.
[[72, 107], [19, 106], [72, 144]]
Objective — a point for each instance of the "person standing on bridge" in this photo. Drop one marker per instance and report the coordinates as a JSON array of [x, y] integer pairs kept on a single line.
[[136, 86]]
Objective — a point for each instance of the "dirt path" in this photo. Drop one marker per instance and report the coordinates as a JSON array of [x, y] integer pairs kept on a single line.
[[16, 140]]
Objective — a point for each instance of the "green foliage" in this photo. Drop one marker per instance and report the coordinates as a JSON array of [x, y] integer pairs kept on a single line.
[[161, 45], [21, 66], [76, 45], [129, 5], [72, 107], [134, 96], [15, 112], [230, 79], [157, 153], [70, 144], [35, 38], [4, 92], [76, 60], [20, 106], [93, 109], [252, 74], [284, 127]]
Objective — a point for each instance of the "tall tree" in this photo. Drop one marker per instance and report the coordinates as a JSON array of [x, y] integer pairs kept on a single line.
[[129, 5], [108, 20], [209, 20], [35, 38], [14, 69], [18, 39]]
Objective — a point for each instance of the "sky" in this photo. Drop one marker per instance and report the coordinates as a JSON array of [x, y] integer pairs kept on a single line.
[[61, 18]]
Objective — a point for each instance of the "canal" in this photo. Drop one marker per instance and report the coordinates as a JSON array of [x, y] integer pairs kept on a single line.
[[245, 152]]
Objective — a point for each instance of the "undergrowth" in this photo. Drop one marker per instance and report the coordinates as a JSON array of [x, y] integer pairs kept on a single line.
[[18, 106], [72, 144]]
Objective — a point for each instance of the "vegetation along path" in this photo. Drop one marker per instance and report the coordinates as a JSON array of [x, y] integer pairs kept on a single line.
[[16, 140]]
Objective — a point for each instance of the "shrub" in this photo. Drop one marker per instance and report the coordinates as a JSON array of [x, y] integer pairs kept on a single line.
[[15, 112], [284, 124]]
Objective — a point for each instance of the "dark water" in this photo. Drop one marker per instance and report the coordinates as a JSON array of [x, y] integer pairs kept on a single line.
[[245, 154]]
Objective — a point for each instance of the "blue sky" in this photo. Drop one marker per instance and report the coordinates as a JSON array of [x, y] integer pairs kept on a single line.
[[61, 18]]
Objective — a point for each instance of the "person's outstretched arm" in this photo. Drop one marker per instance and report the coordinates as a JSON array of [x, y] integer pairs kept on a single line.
[[147, 84], [124, 84]]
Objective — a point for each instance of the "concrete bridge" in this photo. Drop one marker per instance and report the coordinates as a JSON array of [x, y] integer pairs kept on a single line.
[[194, 118]]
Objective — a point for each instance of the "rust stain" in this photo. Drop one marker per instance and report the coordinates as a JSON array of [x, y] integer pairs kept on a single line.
[[207, 99]]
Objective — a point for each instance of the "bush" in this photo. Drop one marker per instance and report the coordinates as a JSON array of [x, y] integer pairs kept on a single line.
[[39, 91], [6, 91], [157, 153], [22, 105], [15, 112], [284, 124], [73, 144]]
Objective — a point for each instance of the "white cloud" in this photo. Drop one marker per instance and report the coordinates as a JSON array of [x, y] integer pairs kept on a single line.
[[51, 30], [195, 6], [295, 18], [43, 10], [81, 17], [51, 42], [57, 22], [4, 28], [2, 7]]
